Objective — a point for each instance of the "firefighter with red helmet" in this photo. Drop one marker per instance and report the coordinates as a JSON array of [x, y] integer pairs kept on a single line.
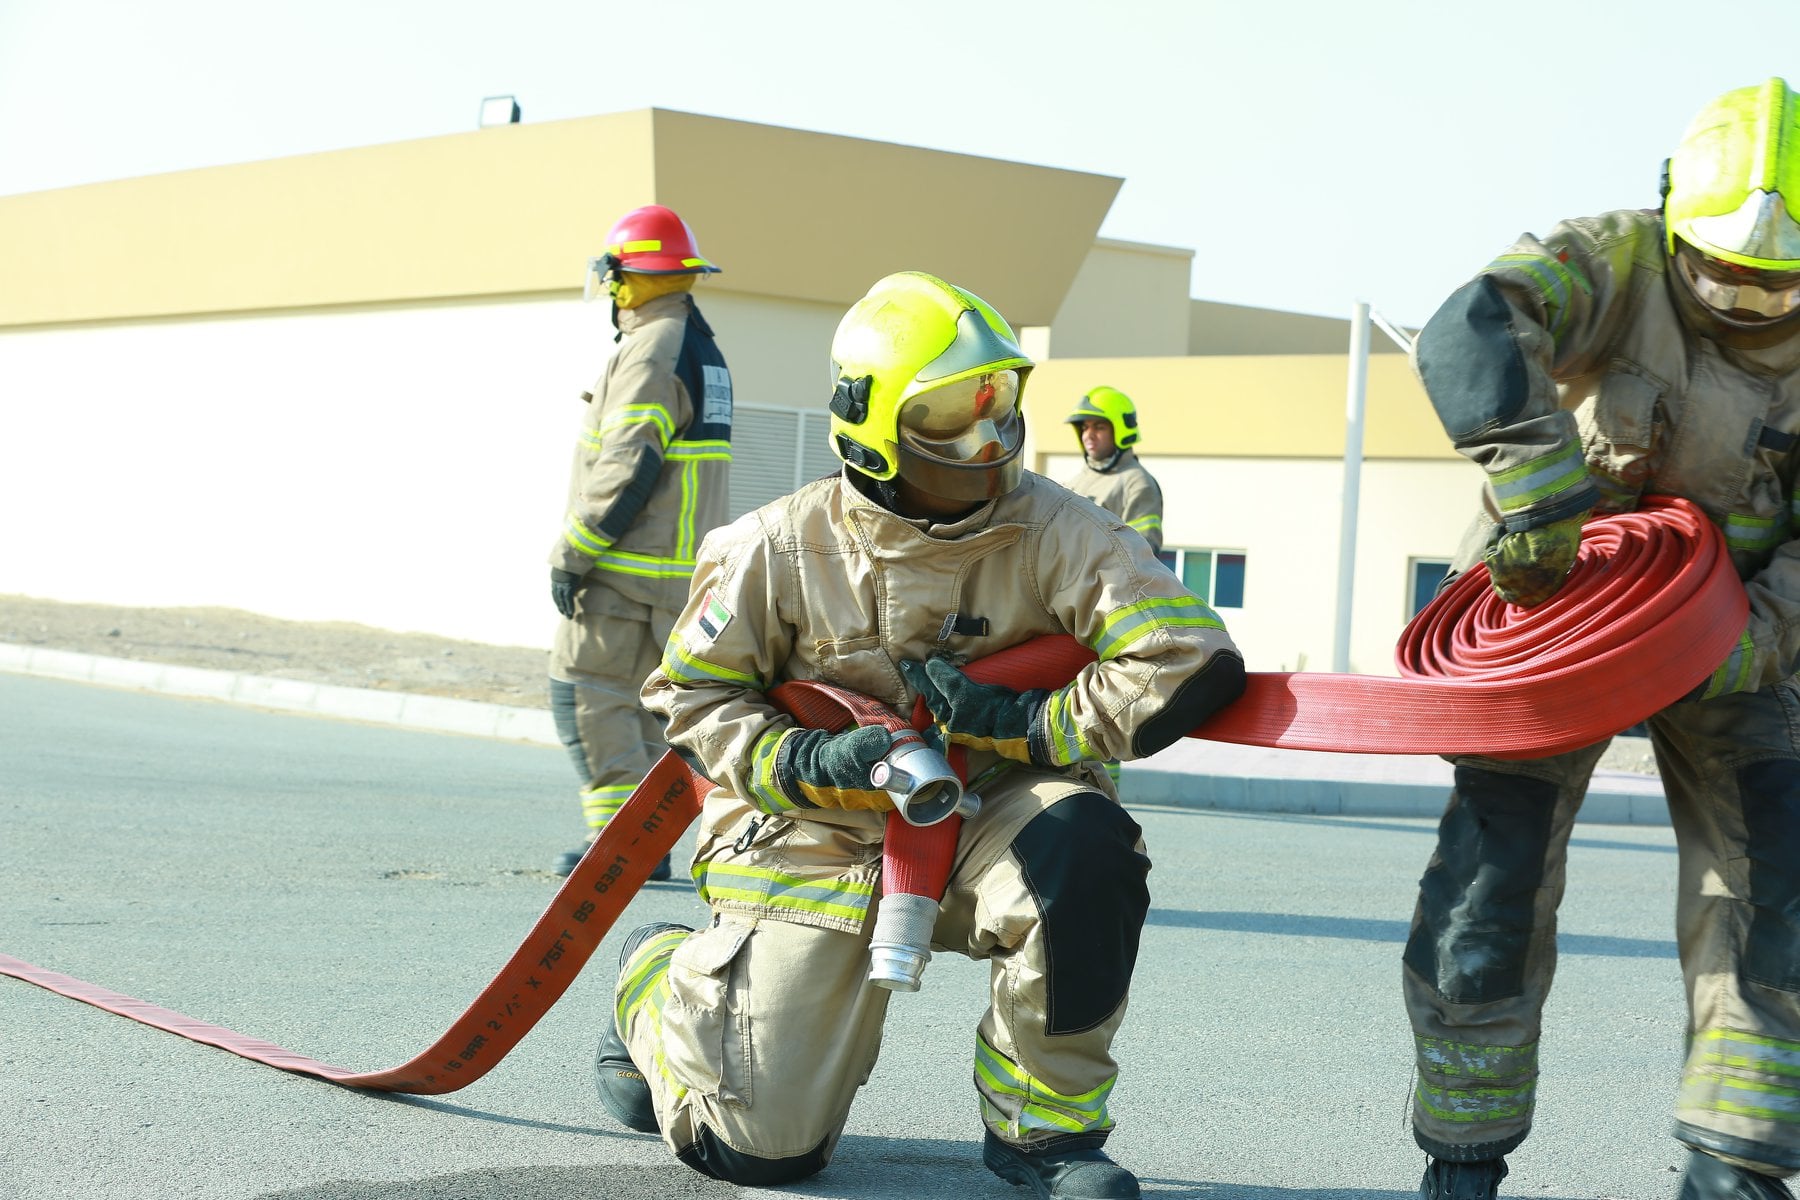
[[1106, 427], [745, 1042], [650, 478], [1635, 352]]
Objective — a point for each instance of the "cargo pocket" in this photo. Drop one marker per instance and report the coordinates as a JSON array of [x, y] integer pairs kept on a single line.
[[706, 1036]]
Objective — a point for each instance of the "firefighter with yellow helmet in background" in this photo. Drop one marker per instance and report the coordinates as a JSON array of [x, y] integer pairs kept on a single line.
[[933, 547], [1106, 426], [1635, 352], [650, 478]]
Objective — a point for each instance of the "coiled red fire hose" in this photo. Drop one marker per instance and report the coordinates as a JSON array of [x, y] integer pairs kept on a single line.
[[1652, 607]]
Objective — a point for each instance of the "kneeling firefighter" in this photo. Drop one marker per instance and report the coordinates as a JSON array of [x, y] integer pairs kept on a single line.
[[744, 1043]]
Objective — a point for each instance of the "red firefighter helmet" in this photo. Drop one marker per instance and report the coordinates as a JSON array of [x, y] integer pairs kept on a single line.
[[653, 240]]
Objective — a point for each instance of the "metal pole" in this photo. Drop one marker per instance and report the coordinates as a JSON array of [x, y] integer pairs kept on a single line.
[[1353, 447]]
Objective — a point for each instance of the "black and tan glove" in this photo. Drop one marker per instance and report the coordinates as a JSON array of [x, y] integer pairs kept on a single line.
[[810, 768], [982, 716]]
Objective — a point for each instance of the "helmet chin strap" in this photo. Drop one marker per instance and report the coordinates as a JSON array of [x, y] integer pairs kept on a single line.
[[1104, 464]]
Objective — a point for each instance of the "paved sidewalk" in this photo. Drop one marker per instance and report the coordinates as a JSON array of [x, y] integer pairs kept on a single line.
[[1190, 774]]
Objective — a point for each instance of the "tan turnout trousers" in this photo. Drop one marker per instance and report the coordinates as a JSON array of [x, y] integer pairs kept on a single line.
[[762, 1029], [1482, 953]]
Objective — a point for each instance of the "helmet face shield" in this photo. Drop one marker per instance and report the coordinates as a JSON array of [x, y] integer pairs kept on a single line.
[[963, 440], [600, 274], [1747, 297]]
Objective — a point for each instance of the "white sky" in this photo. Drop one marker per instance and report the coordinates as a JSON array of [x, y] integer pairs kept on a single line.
[[1313, 152]]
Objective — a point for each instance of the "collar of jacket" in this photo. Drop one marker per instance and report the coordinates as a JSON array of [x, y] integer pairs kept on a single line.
[[631, 320], [855, 500], [1112, 464]]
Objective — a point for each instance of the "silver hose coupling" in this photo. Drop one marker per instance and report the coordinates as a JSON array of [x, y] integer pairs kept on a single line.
[[901, 945], [921, 782]]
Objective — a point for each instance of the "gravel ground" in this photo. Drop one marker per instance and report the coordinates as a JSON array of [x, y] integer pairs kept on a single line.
[[316, 651]]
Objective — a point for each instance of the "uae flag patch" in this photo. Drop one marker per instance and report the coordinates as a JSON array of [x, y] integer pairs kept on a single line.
[[714, 616]]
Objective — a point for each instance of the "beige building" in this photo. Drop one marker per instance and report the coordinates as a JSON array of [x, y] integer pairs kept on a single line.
[[343, 385]]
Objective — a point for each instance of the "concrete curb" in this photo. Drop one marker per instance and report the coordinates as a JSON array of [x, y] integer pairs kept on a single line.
[[1190, 774], [1607, 803], [404, 709]]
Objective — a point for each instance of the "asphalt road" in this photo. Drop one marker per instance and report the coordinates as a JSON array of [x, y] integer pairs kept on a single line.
[[344, 890]]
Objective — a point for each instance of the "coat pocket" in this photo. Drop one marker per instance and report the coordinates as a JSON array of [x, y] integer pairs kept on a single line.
[[706, 1030]]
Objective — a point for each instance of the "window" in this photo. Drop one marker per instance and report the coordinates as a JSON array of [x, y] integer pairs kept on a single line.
[[1427, 575], [1216, 576]]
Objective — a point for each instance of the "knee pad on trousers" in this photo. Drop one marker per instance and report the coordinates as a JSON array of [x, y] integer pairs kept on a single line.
[[1080, 861], [1770, 792], [1478, 900], [562, 710], [712, 1157]]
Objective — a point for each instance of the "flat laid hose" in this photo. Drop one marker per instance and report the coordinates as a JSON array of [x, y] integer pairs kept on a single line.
[[1651, 608]]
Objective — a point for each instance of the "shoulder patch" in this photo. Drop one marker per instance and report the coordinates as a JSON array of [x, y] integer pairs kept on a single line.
[[714, 616]]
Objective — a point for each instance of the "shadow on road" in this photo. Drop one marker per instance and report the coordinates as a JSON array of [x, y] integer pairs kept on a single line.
[[460, 1110], [1422, 826], [1362, 929]]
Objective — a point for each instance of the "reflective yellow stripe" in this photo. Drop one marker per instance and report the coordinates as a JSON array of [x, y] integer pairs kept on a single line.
[[1016, 1102], [765, 792], [634, 414], [1546, 475], [1126, 625], [765, 888], [584, 539], [600, 804], [645, 565], [683, 666]]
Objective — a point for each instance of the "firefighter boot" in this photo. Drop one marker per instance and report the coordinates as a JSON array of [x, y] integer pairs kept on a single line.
[[1710, 1178], [569, 859], [1478, 1180], [623, 1090], [1060, 1175]]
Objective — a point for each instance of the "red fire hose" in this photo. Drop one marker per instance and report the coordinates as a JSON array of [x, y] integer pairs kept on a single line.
[[1652, 607]]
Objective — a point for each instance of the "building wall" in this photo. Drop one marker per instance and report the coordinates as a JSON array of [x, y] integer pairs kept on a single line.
[[1128, 300], [1284, 516], [345, 386], [405, 466], [402, 467], [1215, 328], [779, 350]]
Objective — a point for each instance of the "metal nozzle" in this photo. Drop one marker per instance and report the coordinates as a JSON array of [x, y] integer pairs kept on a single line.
[[901, 945], [920, 780]]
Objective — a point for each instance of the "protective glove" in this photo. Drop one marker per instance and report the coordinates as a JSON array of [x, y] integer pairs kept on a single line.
[[815, 769], [563, 586], [1529, 566], [984, 716]]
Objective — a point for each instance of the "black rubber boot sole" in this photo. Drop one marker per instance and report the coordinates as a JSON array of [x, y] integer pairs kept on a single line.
[[1709, 1178], [1080, 1175], [568, 860]]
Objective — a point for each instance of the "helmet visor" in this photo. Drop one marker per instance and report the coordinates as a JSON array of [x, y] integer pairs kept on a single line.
[[963, 440], [1740, 295]]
